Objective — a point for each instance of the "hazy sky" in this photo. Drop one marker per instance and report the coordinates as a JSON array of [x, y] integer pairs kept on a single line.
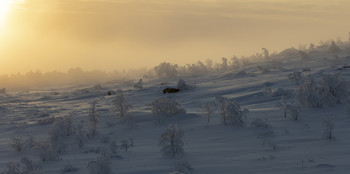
[[119, 34]]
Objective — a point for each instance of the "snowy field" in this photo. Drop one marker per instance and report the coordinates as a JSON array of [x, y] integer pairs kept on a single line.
[[260, 141]]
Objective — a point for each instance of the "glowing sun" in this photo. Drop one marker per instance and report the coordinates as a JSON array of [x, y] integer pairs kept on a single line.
[[5, 6]]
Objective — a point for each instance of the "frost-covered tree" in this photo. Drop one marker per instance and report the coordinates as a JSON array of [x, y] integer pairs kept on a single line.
[[328, 123], [181, 84], [120, 104], [266, 53], [332, 89], [294, 110], [333, 48], [224, 64], [208, 109], [230, 111], [166, 70], [126, 144], [171, 141], [102, 164], [93, 118], [165, 106], [138, 85], [81, 134]]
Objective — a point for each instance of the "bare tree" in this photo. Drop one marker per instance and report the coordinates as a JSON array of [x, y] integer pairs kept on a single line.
[[328, 123], [208, 109], [171, 141], [93, 118], [120, 104]]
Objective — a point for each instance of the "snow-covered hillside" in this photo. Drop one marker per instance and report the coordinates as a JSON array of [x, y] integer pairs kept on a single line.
[[267, 142]]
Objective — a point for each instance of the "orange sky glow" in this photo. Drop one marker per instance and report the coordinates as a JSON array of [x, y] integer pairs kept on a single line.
[[50, 35]]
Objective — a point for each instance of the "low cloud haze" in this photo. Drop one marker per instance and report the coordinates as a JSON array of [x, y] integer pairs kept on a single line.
[[118, 34]]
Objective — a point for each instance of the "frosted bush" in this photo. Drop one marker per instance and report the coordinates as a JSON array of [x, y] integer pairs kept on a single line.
[[81, 134], [181, 84], [332, 89], [29, 167], [68, 167], [11, 168], [264, 123], [17, 143], [171, 141], [46, 151], [165, 106], [208, 109], [126, 144], [102, 164], [294, 110], [120, 104], [230, 111]]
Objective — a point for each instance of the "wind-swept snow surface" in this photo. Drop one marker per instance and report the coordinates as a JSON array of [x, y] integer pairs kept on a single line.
[[48, 131]]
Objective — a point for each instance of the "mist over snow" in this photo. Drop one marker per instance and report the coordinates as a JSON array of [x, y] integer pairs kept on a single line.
[[268, 113]]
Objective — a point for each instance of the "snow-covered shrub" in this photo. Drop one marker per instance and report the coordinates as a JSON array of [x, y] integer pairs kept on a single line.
[[333, 48], [166, 70], [69, 129], [171, 141], [93, 118], [17, 143], [46, 151], [261, 122], [57, 135], [12, 168], [29, 143], [181, 84], [102, 164], [29, 167], [283, 105], [335, 88], [182, 166], [208, 109], [114, 148], [125, 144], [105, 139], [120, 104], [81, 134], [138, 85], [294, 110], [68, 167], [165, 106], [230, 111], [328, 123]]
